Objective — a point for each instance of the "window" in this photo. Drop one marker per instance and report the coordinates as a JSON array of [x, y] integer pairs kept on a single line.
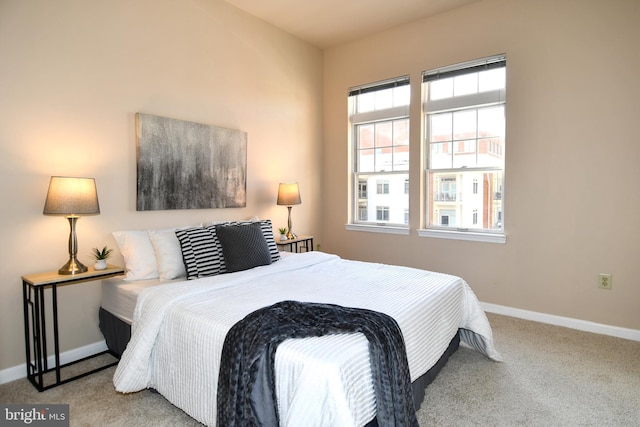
[[464, 119], [382, 213], [362, 212], [379, 120], [362, 189], [382, 186]]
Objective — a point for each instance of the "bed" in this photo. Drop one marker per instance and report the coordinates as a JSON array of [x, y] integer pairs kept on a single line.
[[178, 326]]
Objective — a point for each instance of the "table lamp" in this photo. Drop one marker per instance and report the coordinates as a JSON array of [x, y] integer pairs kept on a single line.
[[289, 195], [71, 198]]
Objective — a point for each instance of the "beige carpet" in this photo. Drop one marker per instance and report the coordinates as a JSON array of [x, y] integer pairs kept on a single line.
[[551, 376]]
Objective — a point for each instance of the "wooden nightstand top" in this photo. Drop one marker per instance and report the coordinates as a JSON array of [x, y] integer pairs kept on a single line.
[[53, 278]]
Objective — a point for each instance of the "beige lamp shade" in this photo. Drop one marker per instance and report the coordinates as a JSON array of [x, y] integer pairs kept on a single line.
[[71, 197], [288, 194]]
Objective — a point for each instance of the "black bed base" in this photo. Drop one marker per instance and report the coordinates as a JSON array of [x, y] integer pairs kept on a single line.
[[421, 383], [117, 334]]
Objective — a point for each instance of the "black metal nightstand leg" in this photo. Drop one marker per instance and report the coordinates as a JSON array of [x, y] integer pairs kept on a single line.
[[56, 340], [26, 301]]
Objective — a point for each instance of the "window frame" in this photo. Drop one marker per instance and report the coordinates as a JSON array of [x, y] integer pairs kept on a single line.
[[376, 116], [473, 102]]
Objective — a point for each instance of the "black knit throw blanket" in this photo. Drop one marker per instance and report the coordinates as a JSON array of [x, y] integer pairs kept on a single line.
[[246, 384]]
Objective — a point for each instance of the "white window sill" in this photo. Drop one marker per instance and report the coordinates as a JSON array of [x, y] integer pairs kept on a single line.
[[387, 229], [464, 235]]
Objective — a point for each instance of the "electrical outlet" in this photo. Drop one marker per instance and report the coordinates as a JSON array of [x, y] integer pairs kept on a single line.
[[605, 281]]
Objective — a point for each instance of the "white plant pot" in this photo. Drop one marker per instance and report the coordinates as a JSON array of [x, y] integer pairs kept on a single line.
[[100, 264], [283, 237]]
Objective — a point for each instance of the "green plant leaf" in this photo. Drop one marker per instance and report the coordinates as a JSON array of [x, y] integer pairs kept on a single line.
[[98, 254]]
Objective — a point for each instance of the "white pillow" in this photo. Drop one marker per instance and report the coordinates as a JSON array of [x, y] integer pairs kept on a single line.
[[139, 255], [168, 254]]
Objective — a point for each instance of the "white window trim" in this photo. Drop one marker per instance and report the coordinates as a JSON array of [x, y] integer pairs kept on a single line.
[[472, 236], [475, 100], [385, 229], [387, 114]]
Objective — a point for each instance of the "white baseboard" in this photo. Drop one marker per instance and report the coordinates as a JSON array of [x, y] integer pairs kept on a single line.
[[567, 322], [20, 371]]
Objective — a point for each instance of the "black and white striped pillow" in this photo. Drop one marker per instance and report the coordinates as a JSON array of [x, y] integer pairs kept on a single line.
[[267, 230], [201, 252]]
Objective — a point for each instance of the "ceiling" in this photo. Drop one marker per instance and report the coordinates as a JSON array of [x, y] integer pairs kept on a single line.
[[326, 23]]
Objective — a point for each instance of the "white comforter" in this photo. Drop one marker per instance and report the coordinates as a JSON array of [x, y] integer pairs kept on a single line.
[[179, 328]]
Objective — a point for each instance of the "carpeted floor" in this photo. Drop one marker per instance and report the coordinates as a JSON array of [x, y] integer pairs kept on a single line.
[[551, 376]]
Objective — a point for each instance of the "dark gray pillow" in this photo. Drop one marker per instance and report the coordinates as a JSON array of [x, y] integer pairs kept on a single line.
[[244, 246], [267, 230]]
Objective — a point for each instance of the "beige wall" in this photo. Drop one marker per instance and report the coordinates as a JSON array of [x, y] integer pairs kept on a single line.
[[73, 75], [572, 157]]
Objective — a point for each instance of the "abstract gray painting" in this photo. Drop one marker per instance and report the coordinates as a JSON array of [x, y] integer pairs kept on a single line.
[[186, 165]]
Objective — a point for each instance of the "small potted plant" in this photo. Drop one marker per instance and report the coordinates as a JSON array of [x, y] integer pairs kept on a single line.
[[101, 257], [283, 233]]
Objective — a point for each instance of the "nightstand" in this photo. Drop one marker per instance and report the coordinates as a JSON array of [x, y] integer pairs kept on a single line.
[[35, 326], [297, 245]]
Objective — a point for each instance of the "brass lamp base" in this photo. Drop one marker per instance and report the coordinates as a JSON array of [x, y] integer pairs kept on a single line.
[[291, 235], [73, 266]]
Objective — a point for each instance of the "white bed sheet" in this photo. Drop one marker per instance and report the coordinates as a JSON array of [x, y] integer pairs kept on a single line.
[[119, 296], [178, 332]]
